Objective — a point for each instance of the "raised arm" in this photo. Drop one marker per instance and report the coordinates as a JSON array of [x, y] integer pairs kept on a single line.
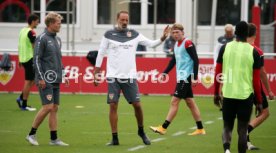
[[154, 43]]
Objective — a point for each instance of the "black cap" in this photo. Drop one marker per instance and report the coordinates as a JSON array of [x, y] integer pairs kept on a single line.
[[241, 30]]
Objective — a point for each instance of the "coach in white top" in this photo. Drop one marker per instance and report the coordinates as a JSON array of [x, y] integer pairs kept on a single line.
[[120, 46]]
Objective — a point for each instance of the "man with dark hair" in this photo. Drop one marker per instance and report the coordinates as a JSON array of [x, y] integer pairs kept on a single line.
[[239, 63], [27, 38], [265, 113], [186, 60], [120, 46]]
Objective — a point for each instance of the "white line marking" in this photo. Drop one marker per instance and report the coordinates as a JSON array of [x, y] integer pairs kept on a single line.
[[193, 128], [174, 135], [158, 139], [178, 133], [209, 122], [136, 148], [79, 106], [7, 131], [143, 146], [97, 133]]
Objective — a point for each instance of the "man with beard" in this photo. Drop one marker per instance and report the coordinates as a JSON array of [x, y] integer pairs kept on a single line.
[[120, 46]]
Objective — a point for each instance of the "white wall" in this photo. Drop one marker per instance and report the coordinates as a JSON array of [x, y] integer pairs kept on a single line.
[[88, 34]]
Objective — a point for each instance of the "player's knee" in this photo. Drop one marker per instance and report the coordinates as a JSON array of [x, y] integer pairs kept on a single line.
[[174, 103], [113, 107], [265, 113], [190, 103], [50, 108], [47, 108], [54, 108], [30, 83], [136, 105]]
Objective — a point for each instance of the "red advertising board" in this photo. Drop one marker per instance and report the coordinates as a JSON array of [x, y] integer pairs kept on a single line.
[[79, 72]]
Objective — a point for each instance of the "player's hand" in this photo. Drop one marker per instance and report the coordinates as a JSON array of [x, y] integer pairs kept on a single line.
[[270, 95], [258, 109], [96, 83], [66, 81], [166, 32], [12, 67], [41, 84], [96, 76], [20, 65], [218, 101], [194, 83], [163, 76]]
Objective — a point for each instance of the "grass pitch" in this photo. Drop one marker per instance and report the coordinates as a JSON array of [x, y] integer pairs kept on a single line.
[[84, 124]]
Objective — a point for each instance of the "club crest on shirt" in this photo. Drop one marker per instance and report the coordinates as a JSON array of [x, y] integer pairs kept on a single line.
[[6, 76], [49, 97], [111, 95], [129, 34]]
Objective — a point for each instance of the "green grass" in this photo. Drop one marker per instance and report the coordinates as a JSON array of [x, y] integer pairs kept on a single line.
[[87, 129]]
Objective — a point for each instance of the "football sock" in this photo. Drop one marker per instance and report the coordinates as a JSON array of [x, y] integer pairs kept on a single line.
[[24, 104], [21, 96], [33, 131], [166, 124], [115, 136], [249, 129], [226, 146], [141, 130], [199, 125], [53, 135]]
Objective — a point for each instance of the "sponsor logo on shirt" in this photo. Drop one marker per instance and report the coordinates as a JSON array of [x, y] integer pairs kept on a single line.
[[129, 34], [126, 46]]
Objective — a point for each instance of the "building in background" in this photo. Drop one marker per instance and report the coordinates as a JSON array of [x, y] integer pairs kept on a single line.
[[94, 17]]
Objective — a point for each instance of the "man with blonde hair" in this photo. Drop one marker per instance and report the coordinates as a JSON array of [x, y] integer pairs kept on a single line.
[[187, 62], [48, 76]]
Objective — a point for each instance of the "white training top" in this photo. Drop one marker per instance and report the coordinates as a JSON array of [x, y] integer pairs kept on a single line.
[[120, 47]]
